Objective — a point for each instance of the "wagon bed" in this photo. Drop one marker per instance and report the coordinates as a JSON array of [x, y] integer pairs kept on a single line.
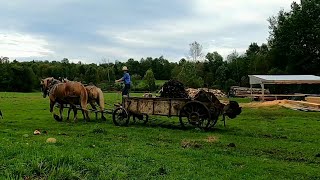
[[201, 114]]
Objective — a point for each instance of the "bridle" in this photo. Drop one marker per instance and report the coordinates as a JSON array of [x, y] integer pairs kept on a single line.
[[46, 90]]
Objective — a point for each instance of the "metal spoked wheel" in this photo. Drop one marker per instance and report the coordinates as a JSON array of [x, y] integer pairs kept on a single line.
[[120, 117], [196, 114], [214, 112]]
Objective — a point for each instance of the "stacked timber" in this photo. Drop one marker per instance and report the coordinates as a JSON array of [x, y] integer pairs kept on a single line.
[[193, 92], [313, 99], [242, 91], [173, 89]]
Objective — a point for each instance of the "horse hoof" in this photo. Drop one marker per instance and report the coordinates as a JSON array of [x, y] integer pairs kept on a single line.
[[103, 118]]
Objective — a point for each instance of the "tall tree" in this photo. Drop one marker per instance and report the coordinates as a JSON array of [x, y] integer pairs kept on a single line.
[[150, 80], [195, 51], [295, 38], [188, 76]]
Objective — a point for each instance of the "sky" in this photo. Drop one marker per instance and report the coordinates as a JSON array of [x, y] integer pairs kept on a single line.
[[97, 31]]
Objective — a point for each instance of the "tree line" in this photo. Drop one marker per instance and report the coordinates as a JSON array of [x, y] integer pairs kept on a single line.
[[293, 47]]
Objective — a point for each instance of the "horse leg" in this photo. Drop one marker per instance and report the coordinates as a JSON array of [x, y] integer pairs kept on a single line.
[[61, 112], [75, 111], [84, 117], [102, 116], [95, 109], [69, 110], [52, 103], [51, 106], [56, 117], [85, 112]]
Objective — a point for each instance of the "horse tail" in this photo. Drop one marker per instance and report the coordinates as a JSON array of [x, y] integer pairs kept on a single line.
[[100, 98], [83, 98]]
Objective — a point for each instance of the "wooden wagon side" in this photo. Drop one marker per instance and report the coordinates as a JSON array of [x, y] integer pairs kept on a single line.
[[154, 106], [189, 111]]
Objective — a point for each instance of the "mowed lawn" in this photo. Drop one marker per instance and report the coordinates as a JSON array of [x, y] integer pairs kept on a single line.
[[270, 143]]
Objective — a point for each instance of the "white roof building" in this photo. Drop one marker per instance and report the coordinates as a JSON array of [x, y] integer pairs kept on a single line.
[[282, 79]]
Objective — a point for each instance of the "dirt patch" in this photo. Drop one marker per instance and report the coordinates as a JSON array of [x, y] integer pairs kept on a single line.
[[190, 144], [197, 143], [211, 139]]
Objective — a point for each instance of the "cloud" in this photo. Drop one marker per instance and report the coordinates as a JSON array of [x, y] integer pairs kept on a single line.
[[124, 29], [15, 45], [232, 25]]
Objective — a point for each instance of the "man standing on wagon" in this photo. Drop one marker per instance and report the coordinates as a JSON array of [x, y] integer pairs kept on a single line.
[[126, 80]]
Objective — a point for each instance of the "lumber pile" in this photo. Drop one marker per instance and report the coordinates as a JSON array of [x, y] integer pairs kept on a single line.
[[193, 92], [313, 99], [302, 106], [238, 91]]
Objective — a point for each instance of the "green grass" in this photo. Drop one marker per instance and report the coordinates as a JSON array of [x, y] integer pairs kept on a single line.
[[241, 100], [271, 143]]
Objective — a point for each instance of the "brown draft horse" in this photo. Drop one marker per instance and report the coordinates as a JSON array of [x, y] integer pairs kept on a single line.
[[95, 96], [65, 93]]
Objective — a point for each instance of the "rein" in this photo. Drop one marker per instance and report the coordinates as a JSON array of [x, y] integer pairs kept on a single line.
[[52, 85]]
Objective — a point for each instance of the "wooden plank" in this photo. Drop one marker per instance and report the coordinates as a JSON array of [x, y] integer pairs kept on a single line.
[[273, 95], [155, 106], [161, 107], [313, 99], [304, 104]]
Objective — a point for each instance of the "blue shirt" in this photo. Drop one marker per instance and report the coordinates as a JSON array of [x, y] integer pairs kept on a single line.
[[126, 78]]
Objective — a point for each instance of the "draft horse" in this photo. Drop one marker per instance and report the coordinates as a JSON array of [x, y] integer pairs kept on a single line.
[[95, 96], [65, 93]]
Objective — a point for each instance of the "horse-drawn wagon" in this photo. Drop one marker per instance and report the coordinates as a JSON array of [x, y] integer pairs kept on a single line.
[[202, 111]]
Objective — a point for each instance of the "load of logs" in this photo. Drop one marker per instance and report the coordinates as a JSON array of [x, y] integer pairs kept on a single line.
[[173, 89], [242, 91], [193, 92]]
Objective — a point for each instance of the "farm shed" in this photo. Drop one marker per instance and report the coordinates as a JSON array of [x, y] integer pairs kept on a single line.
[[282, 79]]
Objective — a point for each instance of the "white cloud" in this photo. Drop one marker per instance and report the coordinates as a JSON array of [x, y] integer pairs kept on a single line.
[[115, 52], [222, 26], [15, 45], [239, 22]]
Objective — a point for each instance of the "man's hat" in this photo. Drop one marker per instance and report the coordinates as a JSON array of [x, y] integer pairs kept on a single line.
[[124, 68]]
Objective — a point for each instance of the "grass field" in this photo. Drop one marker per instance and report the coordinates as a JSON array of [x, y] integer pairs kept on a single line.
[[270, 143]]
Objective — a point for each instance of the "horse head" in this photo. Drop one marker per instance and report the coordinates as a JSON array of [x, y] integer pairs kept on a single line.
[[64, 80], [232, 109], [44, 84]]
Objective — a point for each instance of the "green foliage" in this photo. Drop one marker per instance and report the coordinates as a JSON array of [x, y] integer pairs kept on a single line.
[[188, 76], [294, 38], [150, 80], [135, 79], [141, 86]]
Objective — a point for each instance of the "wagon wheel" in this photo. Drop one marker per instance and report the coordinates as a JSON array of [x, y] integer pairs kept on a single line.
[[120, 117], [195, 113], [214, 112]]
